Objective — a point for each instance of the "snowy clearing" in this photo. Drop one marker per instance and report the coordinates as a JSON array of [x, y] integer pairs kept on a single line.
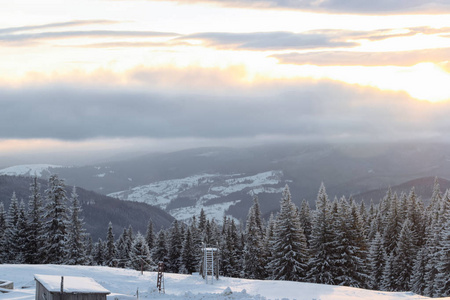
[[124, 284]]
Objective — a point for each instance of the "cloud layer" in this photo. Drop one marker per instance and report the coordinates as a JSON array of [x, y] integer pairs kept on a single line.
[[308, 110], [382, 7]]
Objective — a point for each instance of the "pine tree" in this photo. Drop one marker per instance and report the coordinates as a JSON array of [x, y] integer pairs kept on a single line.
[[56, 220], [99, 253], [404, 257], [2, 233], [174, 248], [375, 262], [110, 251], [254, 256], [75, 237], [417, 282], [442, 279], [290, 249], [160, 252], [150, 235], [305, 220], [19, 236], [35, 224], [431, 267], [188, 261], [350, 246], [11, 227], [123, 247], [321, 268], [140, 258]]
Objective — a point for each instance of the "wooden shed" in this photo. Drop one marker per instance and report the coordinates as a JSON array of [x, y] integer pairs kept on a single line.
[[51, 287]]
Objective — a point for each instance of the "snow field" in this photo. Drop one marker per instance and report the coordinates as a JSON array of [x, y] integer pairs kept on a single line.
[[124, 285]]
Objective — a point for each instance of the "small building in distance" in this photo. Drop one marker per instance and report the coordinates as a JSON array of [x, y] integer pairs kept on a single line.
[[48, 287]]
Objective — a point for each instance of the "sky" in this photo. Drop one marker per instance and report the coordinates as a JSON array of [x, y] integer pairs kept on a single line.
[[105, 76]]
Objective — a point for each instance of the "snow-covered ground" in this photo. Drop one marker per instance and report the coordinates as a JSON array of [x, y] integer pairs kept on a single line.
[[28, 170], [203, 188], [124, 284]]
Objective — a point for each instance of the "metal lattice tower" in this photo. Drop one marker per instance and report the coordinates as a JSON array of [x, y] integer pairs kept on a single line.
[[210, 264]]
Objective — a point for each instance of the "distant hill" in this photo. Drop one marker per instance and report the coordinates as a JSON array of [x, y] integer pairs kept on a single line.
[[165, 179], [98, 210], [423, 187]]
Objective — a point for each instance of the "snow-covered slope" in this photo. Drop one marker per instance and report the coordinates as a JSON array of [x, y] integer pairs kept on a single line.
[[29, 170], [124, 285], [185, 197]]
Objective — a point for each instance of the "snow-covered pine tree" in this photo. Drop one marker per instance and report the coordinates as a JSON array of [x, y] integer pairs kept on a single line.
[[123, 247], [160, 251], [2, 233], [150, 235], [19, 246], [188, 259], [99, 253], [175, 242], [321, 268], [375, 261], [305, 220], [11, 226], [351, 246], [392, 226], [442, 279], [55, 227], [140, 258], [110, 251], [417, 282], [415, 215], [35, 224], [388, 281], [431, 267], [290, 250], [404, 257], [75, 238], [254, 256]]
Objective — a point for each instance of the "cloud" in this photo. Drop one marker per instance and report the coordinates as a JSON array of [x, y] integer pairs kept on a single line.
[[354, 58], [81, 34], [304, 109], [280, 40], [380, 7], [56, 25]]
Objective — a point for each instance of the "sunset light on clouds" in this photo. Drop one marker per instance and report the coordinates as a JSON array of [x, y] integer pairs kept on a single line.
[[165, 71]]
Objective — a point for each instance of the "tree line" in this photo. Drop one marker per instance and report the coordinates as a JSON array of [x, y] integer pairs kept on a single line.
[[400, 244]]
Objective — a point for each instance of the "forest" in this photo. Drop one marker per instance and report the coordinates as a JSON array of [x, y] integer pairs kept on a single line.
[[399, 244]]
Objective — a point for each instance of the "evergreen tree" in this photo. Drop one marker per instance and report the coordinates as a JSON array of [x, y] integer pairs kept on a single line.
[[174, 248], [19, 242], [375, 262], [56, 220], [123, 247], [290, 249], [417, 282], [11, 228], [431, 267], [75, 237], [2, 233], [321, 268], [35, 224], [99, 253], [188, 259], [140, 258], [160, 253], [404, 257], [305, 220], [110, 251], [150, 235], [442, 279], [254, 256]]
